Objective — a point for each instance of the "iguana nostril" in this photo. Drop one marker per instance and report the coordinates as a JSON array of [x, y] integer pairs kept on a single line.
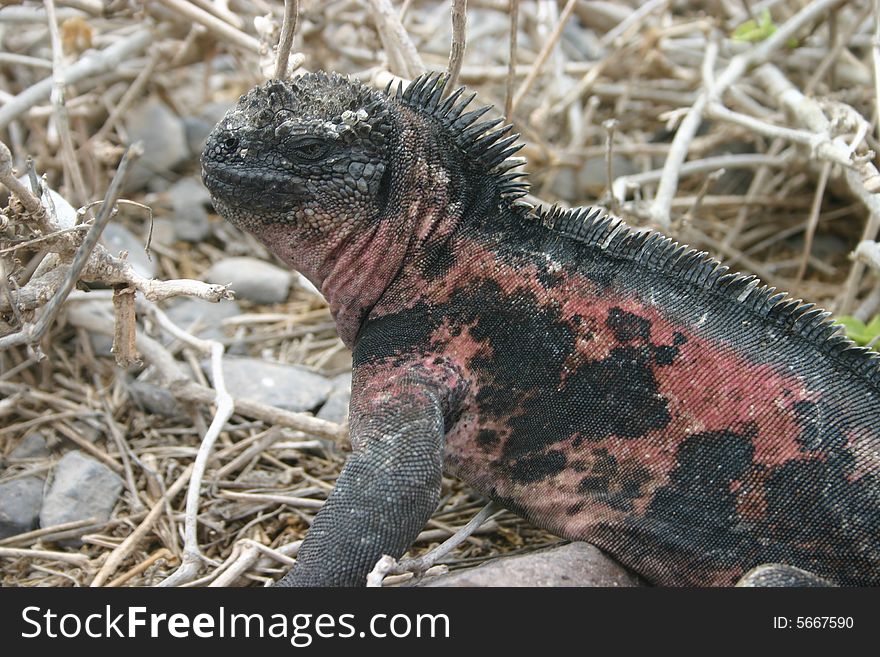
[[230, 143]]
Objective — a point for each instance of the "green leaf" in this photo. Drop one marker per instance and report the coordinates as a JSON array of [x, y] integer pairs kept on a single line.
[[753, 31], [858, 331]]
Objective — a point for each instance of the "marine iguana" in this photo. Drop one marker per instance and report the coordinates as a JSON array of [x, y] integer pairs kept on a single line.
[[606, 384]]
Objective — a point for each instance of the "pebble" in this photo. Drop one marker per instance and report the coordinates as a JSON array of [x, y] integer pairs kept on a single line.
[[81, 488], [118, 238], [164, 140], [290, 387], [574, 564], [155, 399], [188, 199], [20, 501], [202, 318], [590, 180], [251, 279], [197, 128], [32, 446], [65, 214], [335, 409], [164, 232], [87, 430]]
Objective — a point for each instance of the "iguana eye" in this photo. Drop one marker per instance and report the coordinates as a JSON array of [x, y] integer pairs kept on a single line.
[[308, 151]]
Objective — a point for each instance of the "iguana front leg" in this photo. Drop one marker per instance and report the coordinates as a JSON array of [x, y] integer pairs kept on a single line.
[[387, 490]]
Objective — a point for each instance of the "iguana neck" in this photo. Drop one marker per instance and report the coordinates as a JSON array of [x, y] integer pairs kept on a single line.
[[426, 203]]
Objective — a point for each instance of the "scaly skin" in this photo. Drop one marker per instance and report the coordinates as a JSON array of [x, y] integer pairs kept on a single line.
[[608, 386]]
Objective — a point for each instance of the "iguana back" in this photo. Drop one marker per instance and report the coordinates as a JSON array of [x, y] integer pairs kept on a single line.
[[608, 385]]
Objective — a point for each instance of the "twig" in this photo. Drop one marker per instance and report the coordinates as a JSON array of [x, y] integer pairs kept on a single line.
[[610, 126], [658, 211], [115, 559], [813, 219], [632, 19], [250, 552], [748, 160], [59, 111], [694, 210], [404, 56], [868, 252], [161, 553], [870, 306], [192, 554], [809, 114], [131, 94], [755, 187], [833, 57], [288, 30], [388, 565], [222, 29], [80, 560], [188, 391], [542, 56], [511, 58], [32, 334], [51, 531], [30, 202], [123, 449], [221, 10], [93, 63], [459, 41], [820, 145]]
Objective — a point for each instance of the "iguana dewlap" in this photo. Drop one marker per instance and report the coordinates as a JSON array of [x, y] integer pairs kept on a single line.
[[607, 385]]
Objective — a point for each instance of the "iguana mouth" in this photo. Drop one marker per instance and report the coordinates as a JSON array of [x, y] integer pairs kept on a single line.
[[257, 188]]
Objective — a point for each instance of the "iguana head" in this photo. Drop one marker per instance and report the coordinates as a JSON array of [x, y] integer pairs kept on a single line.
[[307, 153], [303, 165], [346, 184]]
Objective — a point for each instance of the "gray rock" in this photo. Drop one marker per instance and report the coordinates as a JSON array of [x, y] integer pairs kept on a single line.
[[202, 317], [593, 175], [101, 344], [164, 140], [163, 232], [826, 246], [251, 279], [590, 180], [118, 238], [289, 387], [188, 199], [65, 214], [81, 488], [335, 409], [87, 429], [197, 128], [32, 446], [20, 501], [575, 564], [156, 400]]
